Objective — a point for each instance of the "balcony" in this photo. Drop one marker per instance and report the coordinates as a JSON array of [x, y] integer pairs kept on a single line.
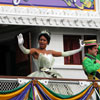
[[23, 88]]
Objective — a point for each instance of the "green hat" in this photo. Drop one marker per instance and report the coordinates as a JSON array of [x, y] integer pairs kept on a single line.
[[90, 42]]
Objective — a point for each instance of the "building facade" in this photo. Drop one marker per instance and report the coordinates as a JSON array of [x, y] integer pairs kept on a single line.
[[66, 20]]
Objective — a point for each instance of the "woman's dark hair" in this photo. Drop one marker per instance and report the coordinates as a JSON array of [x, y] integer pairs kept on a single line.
[[47, 36]]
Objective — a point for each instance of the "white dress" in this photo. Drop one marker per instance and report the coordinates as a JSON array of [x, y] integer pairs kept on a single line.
[[44, 65]]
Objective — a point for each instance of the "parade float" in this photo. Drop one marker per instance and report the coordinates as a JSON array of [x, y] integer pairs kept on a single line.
[[63, 18]]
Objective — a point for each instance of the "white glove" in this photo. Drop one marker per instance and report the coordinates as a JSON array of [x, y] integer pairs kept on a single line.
[[72, 52], [20, 39], [20, 43], [81, 44]]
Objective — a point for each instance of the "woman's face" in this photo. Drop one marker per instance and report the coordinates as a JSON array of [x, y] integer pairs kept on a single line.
[[43, 42]]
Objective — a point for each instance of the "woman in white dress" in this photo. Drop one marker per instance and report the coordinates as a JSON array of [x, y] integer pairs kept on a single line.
[[43, 58]]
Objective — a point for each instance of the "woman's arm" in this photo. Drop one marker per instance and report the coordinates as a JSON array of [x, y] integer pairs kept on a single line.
[[68, 53], [20, 44]]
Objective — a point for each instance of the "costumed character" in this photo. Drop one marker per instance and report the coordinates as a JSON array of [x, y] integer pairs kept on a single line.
[[43, 58], [91, 63], [98, 54]]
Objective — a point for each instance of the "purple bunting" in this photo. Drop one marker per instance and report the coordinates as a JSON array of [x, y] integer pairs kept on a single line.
[[86, 94], [22, 95], [45, 97]]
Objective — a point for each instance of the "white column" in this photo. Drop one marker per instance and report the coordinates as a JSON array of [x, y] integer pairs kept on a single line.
[[56, 44]]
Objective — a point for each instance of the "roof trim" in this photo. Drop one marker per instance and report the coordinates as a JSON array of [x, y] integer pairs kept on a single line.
[[48, 17]]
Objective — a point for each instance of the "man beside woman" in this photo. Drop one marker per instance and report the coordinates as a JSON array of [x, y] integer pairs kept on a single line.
[[43, 58]]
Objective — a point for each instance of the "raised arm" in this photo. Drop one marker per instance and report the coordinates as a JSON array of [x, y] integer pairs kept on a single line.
[[20, 44], [69, 53]]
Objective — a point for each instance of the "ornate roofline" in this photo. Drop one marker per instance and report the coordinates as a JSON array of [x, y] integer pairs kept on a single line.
[[35, 16]]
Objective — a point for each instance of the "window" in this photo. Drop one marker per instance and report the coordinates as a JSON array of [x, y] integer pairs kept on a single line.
[[71, 42]]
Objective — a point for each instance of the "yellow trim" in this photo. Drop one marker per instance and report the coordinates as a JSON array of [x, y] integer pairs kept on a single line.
[[84, 58], [89, 40], [94, 6]]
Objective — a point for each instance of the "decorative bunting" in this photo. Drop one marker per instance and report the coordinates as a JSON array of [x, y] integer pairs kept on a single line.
[[27, 92]]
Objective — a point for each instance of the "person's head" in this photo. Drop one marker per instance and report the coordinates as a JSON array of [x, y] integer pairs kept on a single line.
[[91, 47], [92, 50], [44, 39]]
